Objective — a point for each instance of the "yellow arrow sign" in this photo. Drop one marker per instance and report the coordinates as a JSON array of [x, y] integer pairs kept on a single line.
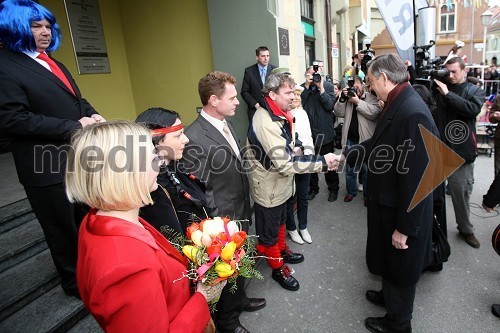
[[443, 161]]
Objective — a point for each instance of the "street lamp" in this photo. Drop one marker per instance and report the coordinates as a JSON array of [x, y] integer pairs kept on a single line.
[[485, 18]]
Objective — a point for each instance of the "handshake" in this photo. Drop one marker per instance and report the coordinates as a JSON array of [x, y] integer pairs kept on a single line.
[[334, 161]]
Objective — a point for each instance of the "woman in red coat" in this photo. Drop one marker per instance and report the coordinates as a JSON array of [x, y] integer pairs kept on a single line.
[[129, 276]]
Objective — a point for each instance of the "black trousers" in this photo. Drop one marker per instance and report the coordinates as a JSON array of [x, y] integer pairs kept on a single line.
[[229, 306], [331, 177], [398, 303], [60, 220]]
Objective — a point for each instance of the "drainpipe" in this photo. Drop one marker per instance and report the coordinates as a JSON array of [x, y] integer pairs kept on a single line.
[[328, 10]]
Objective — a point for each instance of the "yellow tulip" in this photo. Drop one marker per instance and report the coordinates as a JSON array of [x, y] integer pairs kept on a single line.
[[190, 252], [223, 269], [228, 251]]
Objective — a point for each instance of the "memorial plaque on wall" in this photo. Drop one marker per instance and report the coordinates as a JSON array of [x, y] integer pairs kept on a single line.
[[87, 34], [284, 41]]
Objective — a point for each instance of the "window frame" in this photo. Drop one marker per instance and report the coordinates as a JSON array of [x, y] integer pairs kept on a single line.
[[453, 12]]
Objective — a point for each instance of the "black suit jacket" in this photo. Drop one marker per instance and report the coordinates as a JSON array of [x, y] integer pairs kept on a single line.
[[38, 113], [251, 87], [209, 157]]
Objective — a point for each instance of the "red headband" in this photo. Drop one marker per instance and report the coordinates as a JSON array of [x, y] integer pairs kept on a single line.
[[165, 130]]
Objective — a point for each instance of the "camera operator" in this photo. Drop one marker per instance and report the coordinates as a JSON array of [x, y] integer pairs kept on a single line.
[[458, 103], [360, 112], [318, 99]]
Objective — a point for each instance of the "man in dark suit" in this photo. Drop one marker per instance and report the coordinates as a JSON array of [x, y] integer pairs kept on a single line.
[[254, 78], [213, 155], [399, 237], [40, 106]]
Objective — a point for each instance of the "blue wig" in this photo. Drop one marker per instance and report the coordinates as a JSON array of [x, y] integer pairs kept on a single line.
[[15, 25]]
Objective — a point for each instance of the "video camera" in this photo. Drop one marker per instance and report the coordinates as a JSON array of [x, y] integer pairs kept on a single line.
[[316, 75], [368, 54], [428, 69], [351, 91]]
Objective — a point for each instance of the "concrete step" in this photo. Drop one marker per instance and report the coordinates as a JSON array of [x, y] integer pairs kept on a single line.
[[86, 325], [51, 312], [21, 243], [15, 214], [23, 283]]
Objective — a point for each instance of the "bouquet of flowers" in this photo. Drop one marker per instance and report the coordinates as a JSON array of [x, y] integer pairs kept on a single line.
[[218, 250]]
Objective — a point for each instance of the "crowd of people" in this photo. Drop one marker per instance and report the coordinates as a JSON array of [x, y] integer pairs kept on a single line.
[[104, 226]]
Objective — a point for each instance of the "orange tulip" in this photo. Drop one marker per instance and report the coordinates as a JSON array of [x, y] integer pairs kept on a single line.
[[239, 238], [222, 236], [215, 247]]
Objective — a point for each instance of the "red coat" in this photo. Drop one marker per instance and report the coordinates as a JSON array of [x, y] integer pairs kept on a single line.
[[130, 279]]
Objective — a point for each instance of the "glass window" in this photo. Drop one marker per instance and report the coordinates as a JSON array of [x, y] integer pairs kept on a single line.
[[447, 18], [306, 8]]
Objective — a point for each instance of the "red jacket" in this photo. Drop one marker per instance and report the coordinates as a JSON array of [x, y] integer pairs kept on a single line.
[[130, 279]]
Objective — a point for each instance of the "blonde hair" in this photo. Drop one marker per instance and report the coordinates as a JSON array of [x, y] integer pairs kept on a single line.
[[108, 166]]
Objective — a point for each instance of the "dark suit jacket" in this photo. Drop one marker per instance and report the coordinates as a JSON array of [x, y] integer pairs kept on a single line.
[[209, 157], [38, 113], [251, 87], [392, 183]]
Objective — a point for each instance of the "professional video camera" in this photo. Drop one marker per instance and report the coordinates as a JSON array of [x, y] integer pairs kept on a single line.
[[428, 69], [368, 54], [351, 91], [316, 75]]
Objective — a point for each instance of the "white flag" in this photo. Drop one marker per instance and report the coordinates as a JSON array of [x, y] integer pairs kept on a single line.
[[398, 17]]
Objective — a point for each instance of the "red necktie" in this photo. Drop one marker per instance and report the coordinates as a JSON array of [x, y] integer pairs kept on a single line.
[[56, 70]]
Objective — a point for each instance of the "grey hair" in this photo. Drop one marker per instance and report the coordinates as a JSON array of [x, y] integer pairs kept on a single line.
[[392, 65], [275, 81]]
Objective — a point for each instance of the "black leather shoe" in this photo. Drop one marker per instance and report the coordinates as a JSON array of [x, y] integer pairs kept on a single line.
[[290, 257], [312, 194], [495, 309], [72, 292], [254, 304], [380, 325], [333, 196], [284, 277], [434, 268], [239, 329], [375, 297]]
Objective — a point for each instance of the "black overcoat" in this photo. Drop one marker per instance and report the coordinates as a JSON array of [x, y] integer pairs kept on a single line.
[[397, 157]]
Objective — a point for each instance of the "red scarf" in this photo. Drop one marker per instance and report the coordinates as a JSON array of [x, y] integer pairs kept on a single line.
[[392, 96], [280, 113]]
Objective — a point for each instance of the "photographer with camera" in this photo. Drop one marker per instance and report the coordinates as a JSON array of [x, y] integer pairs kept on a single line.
[[366, 55], [318, 99], [360, 111], [458, 103]]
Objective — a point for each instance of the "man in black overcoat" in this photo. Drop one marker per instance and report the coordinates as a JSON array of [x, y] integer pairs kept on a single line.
[[399, 238]]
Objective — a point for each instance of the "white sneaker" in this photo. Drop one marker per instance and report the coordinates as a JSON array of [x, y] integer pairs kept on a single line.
[[360, 187], [294, 235], [306, 236]]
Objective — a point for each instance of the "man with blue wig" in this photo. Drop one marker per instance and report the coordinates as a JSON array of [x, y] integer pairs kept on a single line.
[[40, 106]]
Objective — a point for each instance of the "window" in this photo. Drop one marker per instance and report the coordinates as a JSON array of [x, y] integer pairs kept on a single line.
[[307, 18], [447, 18], [306, 9]]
